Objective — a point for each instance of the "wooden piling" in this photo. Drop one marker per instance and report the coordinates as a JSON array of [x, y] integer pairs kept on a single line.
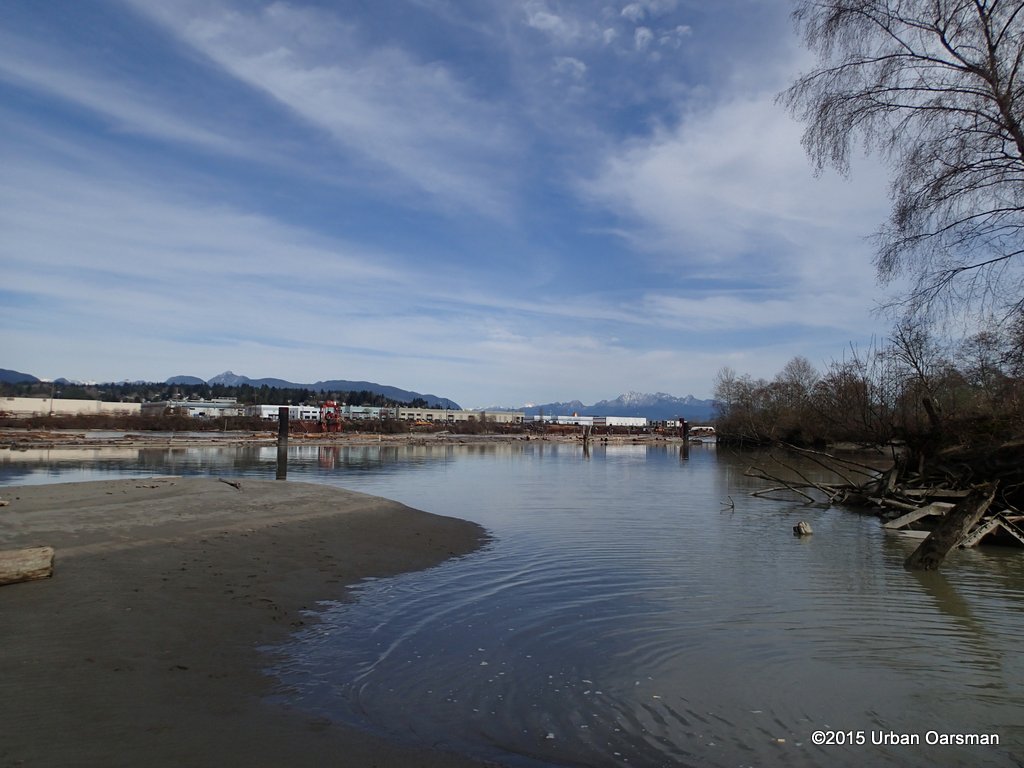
[[282, 443]]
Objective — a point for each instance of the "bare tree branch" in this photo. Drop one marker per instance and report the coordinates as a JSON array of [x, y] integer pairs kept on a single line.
[[934, 87]]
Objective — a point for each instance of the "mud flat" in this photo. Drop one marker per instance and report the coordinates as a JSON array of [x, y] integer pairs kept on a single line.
[[142, 647]]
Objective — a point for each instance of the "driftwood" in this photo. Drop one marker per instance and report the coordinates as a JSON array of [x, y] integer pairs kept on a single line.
[[17, 565], [953, 529], [835, 464], [232, 483], [833, 493], [938, 508], [943, 491], [901, 506], [998, 522], [936, 493]]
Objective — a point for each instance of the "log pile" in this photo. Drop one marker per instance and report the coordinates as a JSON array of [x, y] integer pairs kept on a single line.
[[970, 494]]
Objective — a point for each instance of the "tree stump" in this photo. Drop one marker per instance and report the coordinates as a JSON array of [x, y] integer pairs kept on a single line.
[[952, 529]]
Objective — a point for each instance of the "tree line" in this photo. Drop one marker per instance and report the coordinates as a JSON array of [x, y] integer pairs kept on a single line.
[[140, 392], [911, 387], [935, 89]]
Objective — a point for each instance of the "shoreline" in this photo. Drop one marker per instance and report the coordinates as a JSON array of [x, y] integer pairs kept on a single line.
[[142, 649], [25, 439]]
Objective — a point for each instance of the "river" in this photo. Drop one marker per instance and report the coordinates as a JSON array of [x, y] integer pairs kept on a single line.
[[635, 608]]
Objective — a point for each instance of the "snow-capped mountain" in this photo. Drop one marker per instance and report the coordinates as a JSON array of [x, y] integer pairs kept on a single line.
[[655, 407]]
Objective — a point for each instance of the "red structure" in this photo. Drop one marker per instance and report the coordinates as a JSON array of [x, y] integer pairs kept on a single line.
[[330, 417]]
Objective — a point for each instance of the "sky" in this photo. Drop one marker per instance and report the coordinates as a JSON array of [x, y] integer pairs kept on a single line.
[[497, 201]]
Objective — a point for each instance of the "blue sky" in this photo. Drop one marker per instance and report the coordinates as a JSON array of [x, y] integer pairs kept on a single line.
[[498, 201]]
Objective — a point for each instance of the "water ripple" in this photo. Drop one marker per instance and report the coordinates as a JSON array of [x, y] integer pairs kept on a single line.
[[611, 624]]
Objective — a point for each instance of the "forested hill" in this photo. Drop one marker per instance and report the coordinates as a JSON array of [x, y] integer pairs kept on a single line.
[[262, 394]]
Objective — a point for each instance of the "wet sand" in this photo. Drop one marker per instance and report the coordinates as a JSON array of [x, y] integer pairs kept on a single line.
[[142, 648]]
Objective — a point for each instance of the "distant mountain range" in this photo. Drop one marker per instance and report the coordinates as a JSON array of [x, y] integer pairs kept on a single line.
[[233, 380], [654, 407], [16, 377], [230, 379]]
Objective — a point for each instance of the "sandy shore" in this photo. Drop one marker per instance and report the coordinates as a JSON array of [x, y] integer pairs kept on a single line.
[[141, 650]]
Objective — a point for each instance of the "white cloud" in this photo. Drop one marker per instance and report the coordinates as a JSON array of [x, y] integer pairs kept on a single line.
[[570, 67], [638, 10], [725, 177], [642, 37], [673, 38], [413, 119], [540, 17], [634, 12], [833, 307], [728, 195], [130, 109]]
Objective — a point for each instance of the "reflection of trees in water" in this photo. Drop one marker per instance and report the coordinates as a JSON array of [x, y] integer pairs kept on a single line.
[[198, 460], [10, 475], [57, 464]]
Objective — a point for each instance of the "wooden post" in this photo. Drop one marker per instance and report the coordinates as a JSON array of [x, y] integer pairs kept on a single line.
[[282, 443], [684, 429], [953, 528]]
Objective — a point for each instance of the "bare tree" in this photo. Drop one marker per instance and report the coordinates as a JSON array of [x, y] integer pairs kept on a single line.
[[934, 86], [918, 355], [725, 388], [797, 380]]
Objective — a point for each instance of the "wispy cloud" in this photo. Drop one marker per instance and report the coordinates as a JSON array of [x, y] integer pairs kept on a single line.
[[728, 187], [129, 108], [414, 120]]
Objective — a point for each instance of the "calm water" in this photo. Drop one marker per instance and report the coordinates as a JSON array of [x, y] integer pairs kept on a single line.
[[623, 615]]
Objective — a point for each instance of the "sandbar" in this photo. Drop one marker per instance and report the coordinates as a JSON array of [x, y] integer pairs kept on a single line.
[[142, 649]]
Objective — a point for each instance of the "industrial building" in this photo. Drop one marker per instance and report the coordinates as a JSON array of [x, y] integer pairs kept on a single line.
[[590, 421], [400, 413], [218, 407], [25, 407]]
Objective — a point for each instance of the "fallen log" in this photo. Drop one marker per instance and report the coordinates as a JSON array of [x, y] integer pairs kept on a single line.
[[952, 529], [901, 506], [936, 493], [17, 565]]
